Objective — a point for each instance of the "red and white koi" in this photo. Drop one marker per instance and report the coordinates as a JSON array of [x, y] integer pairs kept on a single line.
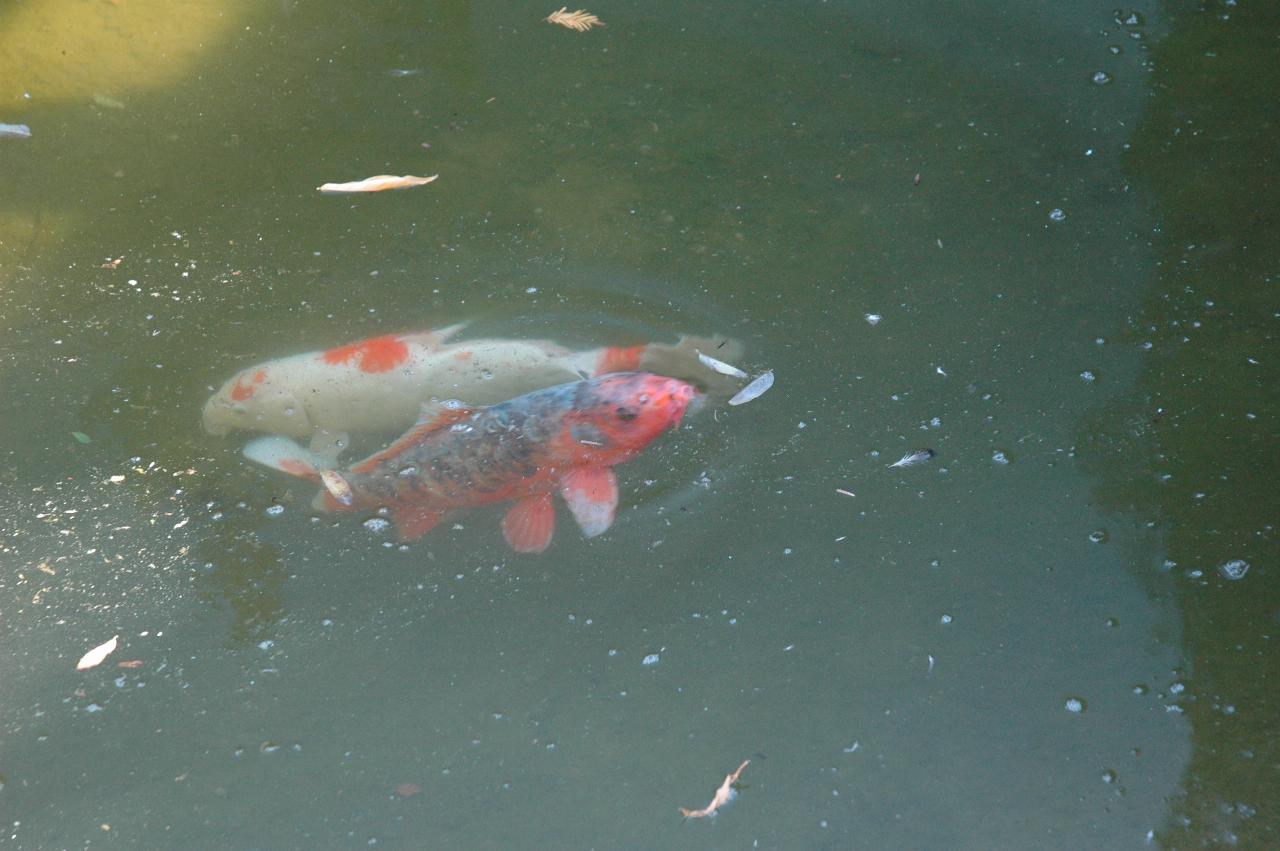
[[564, 439], [379, 385]]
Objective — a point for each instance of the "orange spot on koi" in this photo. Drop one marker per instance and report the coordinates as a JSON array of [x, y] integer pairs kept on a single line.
[[615, 359], [241, 391], [376, 355], [297, 468]]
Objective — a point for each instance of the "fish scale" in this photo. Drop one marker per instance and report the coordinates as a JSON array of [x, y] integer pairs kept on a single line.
[[484, 454]]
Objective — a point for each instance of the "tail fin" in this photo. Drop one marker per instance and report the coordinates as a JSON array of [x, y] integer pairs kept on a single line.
[[283, 454]]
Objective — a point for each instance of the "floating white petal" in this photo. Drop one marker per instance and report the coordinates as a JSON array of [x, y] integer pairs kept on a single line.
[[753, 390], [720, 366], [95, 656], [377, 183]]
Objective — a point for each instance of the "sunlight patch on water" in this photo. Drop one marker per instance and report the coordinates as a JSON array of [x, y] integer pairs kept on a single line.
[[64, 50]]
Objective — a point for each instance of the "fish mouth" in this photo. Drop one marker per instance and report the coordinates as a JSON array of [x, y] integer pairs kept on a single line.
[[210, 419], [684, 397]]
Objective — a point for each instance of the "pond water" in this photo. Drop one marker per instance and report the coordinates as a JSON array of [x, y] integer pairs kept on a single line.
[[1017, 236]]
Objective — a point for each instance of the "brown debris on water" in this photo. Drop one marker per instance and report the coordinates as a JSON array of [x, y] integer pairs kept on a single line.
[[579, 21], [724, 795]]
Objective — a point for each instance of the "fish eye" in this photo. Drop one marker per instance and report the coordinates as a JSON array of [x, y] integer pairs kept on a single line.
[[626, 414]]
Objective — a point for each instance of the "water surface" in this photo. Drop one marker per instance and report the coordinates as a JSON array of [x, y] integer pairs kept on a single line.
[[988, 650]]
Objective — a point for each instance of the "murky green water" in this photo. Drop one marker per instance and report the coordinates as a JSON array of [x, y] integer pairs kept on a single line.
[[1074, 282]]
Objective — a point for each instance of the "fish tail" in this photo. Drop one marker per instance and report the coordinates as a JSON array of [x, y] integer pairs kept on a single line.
[[283, 454]]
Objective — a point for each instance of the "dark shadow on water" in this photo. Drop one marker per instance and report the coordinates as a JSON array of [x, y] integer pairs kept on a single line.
[[245, 576], [1191, 449]]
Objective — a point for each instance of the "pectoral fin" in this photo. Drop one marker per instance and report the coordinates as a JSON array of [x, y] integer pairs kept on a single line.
[[414, 521], [285, 455], [530, 523], [592, 496]]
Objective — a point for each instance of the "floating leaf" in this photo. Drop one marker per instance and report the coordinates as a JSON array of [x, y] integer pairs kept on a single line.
[[913, 458], [720, 366], [579, 21], [753, 390], [95, 656], [80, 436], [377, 183]]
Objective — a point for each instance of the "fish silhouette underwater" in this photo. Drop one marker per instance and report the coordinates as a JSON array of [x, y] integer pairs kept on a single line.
[[564, 439], [378, 386]]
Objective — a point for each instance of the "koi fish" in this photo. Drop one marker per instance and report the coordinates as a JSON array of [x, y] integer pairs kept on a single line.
[[379, 385], [564, 439]]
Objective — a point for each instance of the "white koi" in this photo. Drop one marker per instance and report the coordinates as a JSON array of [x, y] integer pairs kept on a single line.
[[379, 386]]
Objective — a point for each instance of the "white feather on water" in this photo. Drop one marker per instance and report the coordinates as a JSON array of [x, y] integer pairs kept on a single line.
[[754, 390]]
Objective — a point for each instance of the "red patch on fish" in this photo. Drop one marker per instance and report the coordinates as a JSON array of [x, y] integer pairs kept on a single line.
[[241, 391], [298, 468], [375, 355], [614, 359]]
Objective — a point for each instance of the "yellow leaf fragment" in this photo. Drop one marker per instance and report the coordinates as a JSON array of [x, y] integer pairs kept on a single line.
[[377, 183], [95, 656], [338, 486], [579, 21], [723, 795]]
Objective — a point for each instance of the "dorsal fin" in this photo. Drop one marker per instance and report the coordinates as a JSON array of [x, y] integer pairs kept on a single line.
[[435, 338], [435, 416]]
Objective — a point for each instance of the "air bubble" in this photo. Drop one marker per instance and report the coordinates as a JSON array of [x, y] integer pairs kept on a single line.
[[376, 524], [1098, 536], [1101, 78], [1057, 214], [1000, 457], [275, 510], [1233, 570], [1074, 705]]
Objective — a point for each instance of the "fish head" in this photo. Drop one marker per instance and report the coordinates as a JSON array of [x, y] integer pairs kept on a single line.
[[617, 415], [251, 400]]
